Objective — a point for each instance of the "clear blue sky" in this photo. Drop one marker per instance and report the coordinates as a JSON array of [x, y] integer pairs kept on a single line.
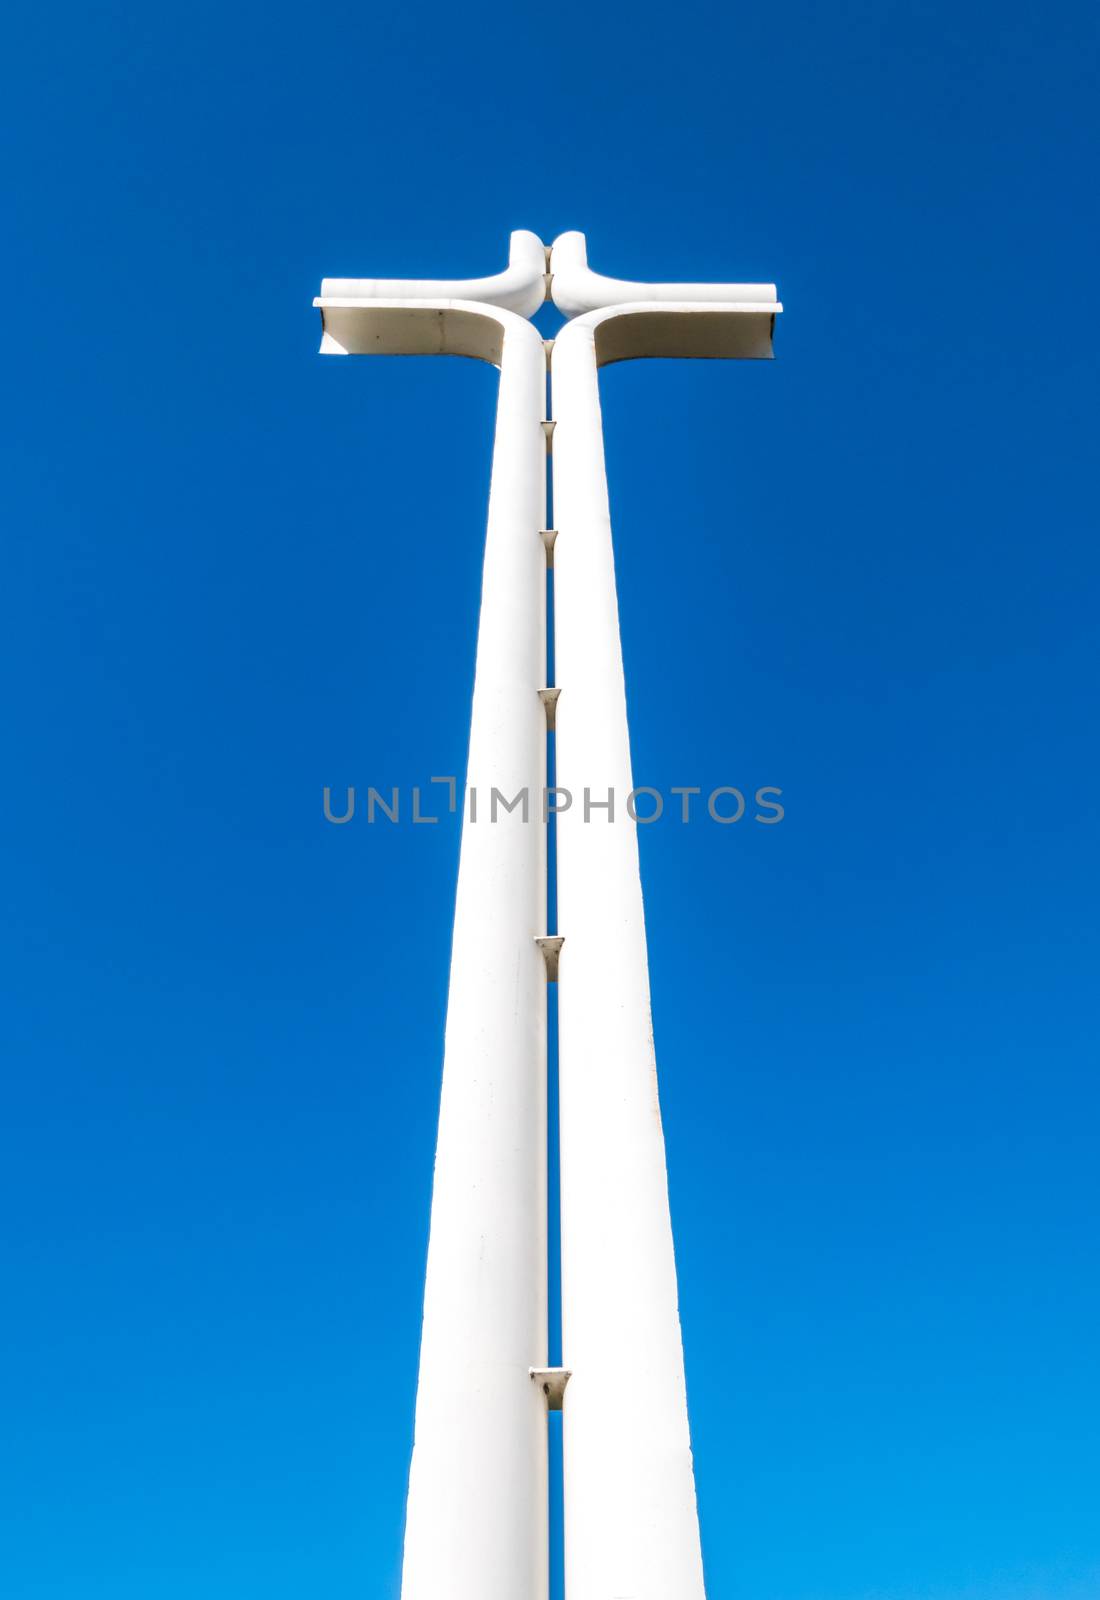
[[866, 573]]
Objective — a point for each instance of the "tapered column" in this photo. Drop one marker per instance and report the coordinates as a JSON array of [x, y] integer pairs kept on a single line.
[[631, 1527], [477, 1508]]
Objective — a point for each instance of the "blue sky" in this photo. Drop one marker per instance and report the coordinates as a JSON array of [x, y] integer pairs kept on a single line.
[[866, 573]]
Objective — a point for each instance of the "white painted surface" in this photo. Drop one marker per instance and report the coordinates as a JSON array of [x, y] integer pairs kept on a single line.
[[738, 330], [575, 288], [477, 1509], [631, 1527], [476, 1525], [395, 327], [521, 287]]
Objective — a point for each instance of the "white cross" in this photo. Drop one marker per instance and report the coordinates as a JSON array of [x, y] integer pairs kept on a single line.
[[476, 1526], [363, 316]]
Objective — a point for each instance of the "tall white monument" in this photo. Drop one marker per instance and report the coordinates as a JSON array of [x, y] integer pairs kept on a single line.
[[477, 1520]]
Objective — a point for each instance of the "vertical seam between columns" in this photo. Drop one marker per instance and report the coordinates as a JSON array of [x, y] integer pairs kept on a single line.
[[555, 1462]]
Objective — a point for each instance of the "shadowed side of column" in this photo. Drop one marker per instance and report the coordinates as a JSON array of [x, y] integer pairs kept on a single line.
[[476, 1525], [476, 1522]]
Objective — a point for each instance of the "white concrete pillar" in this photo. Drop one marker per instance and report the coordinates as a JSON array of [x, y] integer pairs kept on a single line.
[[477, 1508], [631, 1527]]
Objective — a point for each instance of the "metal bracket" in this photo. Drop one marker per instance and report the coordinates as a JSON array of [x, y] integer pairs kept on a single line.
[[552, 1382], [550, 944], [549, 698]]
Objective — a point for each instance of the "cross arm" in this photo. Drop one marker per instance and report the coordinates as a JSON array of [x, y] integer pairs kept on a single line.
[[520, 288], [436, 327], [675, 328], [630, 320]]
